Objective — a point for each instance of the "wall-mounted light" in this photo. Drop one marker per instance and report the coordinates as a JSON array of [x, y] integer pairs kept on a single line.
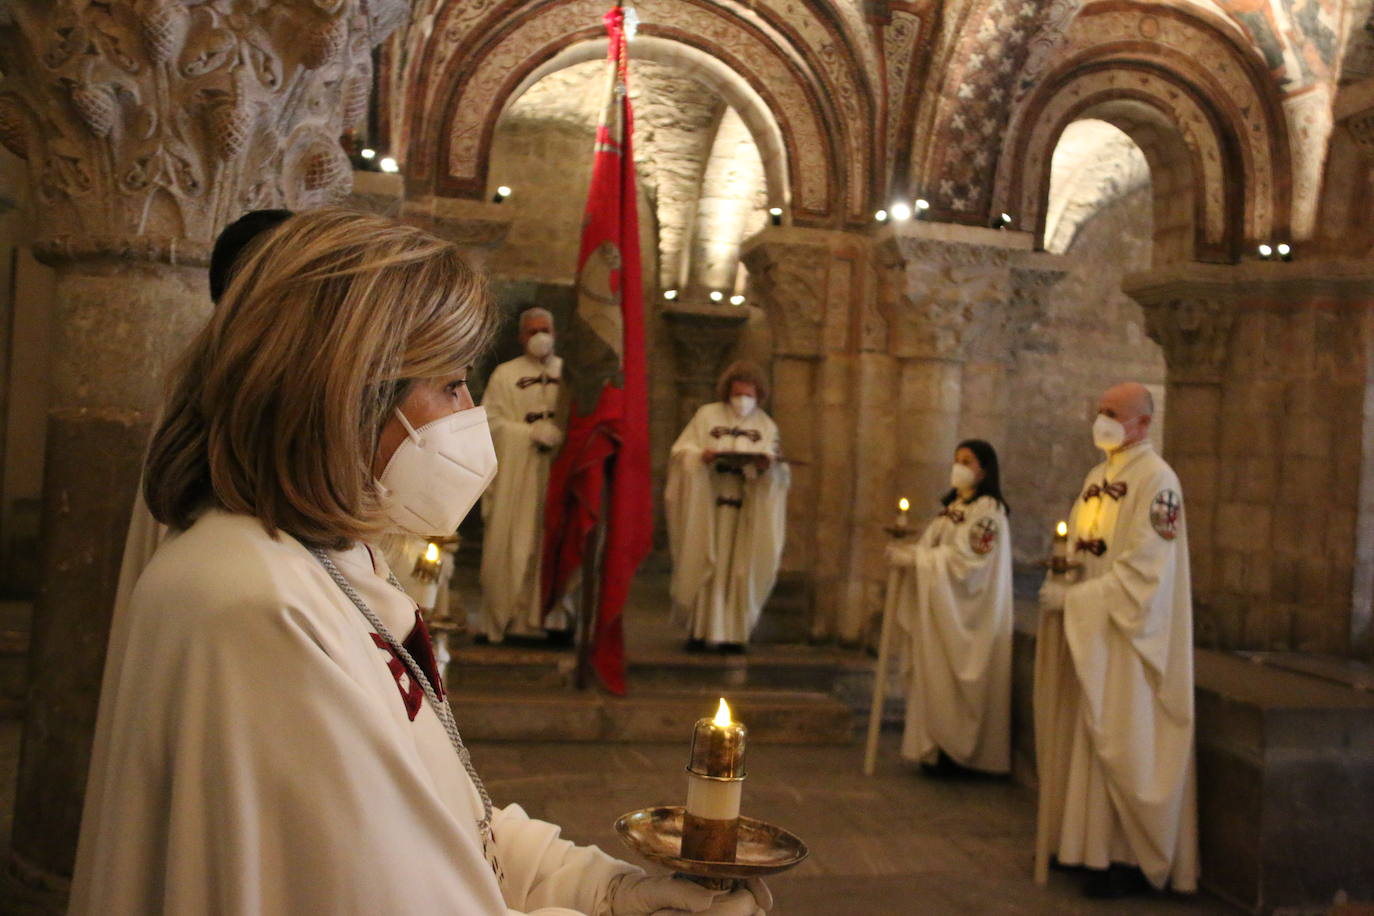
[[737, 299], [670, 294], [389, 166], [775, 215], [922, 205], [881, 216], [900, 212], [717, 295], [1266, 252], [1285, 251], [1001, 221], [501, 194], [368, 153]]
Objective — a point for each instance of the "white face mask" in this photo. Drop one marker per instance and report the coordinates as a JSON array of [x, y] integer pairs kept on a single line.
[[540, 345], [1108, 434], [962, 477], [744, 404], [438, 473]]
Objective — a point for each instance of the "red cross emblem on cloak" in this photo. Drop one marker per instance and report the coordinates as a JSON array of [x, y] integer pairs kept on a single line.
[[1165, 511], [982, 536], [418, 644]]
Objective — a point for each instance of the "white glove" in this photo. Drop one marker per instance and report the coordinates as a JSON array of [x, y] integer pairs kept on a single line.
[[658, 895], [754, 899], [901, 554], [1052, 594], [546, 433]]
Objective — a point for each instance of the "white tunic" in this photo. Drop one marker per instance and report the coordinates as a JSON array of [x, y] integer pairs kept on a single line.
[[519, 393], [954, 606], [725, 529], [255, 753], [1114, 681]]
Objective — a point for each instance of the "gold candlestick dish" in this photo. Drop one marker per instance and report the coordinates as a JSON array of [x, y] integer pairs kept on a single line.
[[762, 849]]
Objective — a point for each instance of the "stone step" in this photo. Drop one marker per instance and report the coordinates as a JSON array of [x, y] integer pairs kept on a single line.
[[772, 717]]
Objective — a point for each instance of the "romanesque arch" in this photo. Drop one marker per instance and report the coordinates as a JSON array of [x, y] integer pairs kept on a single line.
[[797, 73]]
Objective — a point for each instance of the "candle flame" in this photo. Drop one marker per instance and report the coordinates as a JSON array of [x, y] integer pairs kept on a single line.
[[903, 504], [1062, 529], [722, 714], [432, 553]]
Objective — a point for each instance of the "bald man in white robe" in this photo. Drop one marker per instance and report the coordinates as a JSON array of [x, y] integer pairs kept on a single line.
[[1114, 673]]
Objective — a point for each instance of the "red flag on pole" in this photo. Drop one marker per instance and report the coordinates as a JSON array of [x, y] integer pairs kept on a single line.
[[601, 476]]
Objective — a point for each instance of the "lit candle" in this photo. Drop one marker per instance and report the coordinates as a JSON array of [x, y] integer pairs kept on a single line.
[[715, 778], [1059, 559], [903, 507], [426, 572]]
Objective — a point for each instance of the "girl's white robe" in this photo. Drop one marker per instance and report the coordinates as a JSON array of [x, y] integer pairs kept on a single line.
[[725, 557], [254, 755], [954, 606]]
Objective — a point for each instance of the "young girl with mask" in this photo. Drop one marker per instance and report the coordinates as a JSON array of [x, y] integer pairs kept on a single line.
[[273, 735], [954, 608]]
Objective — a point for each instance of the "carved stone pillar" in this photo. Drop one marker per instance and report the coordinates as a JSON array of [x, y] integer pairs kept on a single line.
[[146, 127], [1268, 380], [703, 336]]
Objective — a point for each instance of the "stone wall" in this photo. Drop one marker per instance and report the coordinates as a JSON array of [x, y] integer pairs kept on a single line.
[[1091, 336]]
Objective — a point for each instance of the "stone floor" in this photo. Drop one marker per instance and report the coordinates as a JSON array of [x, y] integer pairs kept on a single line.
[[895, 843]]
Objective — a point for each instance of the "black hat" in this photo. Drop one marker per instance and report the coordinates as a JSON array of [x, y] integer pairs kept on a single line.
[[234, 239]]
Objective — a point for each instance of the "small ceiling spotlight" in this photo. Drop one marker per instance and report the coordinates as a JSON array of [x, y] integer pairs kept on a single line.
[[670, 294], [775, 215], [368, 153], [717, 295], [737, 299], [901, 212], [389, 166], [922, 205], [1266, 252], [1001, 221], [1285, 251], [881, 216]]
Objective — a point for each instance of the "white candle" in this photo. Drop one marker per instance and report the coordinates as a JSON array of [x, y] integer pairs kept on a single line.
[[903, 507], [715, 780], [427, 575]]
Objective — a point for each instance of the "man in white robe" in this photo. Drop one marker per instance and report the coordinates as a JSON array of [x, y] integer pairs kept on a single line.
[[521, 399], [953, 603], [726, 502], [1114, 673]]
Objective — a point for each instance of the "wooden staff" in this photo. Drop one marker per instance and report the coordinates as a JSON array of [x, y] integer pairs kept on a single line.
[[875, 712]]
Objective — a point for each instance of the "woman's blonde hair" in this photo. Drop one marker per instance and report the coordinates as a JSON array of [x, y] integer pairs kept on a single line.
[[276, 407], [742, 371]]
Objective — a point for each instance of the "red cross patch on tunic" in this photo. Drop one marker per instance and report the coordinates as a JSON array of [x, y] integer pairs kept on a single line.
[[421, 648], [982, 536], [1165, 510]]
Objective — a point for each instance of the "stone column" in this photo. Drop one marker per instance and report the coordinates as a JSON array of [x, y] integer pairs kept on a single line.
[[1269, 391], [146, 127], [703, 336]]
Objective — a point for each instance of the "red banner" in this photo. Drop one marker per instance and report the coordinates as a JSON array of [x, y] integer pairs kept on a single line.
[[602, 472]]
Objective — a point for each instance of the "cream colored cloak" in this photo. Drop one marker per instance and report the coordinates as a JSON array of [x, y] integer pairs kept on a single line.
[[519, 393], [954, 606], [255, 754], [725, 529], [1114, 681]]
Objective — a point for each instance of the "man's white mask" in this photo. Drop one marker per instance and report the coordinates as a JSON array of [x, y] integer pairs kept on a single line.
[[962, 477], [744, 404], [540, 345], [438, 473], [1108, 434]]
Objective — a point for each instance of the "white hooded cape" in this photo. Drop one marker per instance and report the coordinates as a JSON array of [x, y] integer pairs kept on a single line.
[[1114, 682], [255, 754], [513, 506], [725, 557], [954, 606]]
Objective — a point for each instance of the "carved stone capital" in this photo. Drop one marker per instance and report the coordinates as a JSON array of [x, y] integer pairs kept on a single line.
[[702, 336], [149, 124], [942, 296], [789, 279], [1195, 334]]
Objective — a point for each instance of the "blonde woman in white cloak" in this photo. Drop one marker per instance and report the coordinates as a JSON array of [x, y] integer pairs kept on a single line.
[[726, 503], [272, 735], [954, 607]]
